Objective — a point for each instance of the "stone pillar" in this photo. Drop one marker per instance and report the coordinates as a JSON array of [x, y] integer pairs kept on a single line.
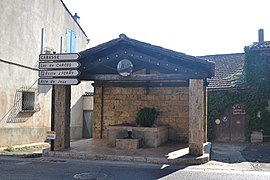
[[97, 112], [196, 117], [205, 115], [62, 117]]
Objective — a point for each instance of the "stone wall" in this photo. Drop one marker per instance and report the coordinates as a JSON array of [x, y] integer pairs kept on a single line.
[[120, 105]]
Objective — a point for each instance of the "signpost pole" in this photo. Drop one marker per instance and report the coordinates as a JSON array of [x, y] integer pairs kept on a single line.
[[61, 71], [52, 115]]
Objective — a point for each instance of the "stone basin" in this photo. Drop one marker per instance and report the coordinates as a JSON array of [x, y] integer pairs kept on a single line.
[[149, 136]]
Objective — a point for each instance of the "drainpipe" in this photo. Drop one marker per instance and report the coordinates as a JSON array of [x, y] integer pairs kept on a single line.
[[42, 41]]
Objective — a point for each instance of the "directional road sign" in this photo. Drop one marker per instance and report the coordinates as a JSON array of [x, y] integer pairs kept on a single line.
[[58, 81], [59, 57], [59, 73], [59, 65]]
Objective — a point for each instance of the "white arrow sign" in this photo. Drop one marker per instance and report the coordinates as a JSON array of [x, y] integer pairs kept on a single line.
[[59, 57], [59, 65], [59, 73], [58, 81]]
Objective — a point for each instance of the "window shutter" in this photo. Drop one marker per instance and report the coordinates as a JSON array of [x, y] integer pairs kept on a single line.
[[68, 41], [73, 42]]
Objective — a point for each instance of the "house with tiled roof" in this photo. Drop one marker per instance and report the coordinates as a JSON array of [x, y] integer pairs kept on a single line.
[[228, 78], [238, 94], [257, 68]]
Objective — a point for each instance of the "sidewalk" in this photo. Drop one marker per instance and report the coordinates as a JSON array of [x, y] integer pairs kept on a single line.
[[224, 156], [239, 157], [227, 156], [97, 149], [27, 150]]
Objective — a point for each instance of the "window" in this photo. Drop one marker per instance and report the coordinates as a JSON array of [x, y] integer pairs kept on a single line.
[[71, 41], [28, 101]]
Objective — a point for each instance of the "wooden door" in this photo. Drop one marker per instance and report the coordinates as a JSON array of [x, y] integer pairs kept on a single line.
[[231, 125]]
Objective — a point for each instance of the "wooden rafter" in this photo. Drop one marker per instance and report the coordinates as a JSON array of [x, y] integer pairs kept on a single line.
[[140, 84]]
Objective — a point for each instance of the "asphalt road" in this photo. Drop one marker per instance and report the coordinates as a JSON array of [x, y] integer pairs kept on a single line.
[[48, 168]]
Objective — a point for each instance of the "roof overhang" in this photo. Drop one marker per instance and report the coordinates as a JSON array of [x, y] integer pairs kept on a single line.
[[100, 62]]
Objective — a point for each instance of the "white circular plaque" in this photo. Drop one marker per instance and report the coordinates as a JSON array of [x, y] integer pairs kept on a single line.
[[217, 121]]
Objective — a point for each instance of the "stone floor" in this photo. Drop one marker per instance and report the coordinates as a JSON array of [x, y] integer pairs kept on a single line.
[[168, 150]]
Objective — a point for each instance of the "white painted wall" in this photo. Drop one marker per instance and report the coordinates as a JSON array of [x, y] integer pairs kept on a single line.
[[20, 33]]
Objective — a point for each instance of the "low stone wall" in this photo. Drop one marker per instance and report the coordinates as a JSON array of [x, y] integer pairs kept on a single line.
[[128, 143], [256, 137], [150, 136]]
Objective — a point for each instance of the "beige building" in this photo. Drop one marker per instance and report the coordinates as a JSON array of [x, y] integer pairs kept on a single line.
[[29, 28]]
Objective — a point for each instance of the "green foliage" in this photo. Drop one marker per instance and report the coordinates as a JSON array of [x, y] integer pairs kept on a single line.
[[146, 117], [255, 99], [10, 149], [257, 74]]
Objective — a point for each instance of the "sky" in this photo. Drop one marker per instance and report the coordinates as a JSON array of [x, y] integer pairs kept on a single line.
[[194, 27]]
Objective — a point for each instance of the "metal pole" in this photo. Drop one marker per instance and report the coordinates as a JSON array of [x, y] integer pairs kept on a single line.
[[52, 115]]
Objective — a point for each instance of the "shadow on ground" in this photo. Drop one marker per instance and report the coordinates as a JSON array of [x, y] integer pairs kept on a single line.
[[242, 156], [257, 152]]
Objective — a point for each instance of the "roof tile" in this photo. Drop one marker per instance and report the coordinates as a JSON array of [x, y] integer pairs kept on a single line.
[[226, 68]]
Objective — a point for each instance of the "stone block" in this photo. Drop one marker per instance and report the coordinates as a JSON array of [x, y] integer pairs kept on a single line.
[[256, 136], [127, 143], [151, 136]]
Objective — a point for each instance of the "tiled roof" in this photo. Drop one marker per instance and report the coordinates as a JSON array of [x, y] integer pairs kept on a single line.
[[228, 71], [151, 50], [260, 45]]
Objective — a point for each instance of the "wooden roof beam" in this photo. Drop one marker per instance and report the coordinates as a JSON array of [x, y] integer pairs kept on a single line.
[[141, 77]]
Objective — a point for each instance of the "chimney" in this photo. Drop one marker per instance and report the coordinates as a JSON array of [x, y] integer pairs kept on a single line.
[[76, 18], [261, 36]]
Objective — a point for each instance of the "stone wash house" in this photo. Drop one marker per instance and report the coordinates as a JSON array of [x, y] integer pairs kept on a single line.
[[174, 83], [29, 28]]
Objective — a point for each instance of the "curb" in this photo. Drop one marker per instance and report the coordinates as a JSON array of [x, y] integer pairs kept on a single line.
[[25, 153], [141, 159]]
